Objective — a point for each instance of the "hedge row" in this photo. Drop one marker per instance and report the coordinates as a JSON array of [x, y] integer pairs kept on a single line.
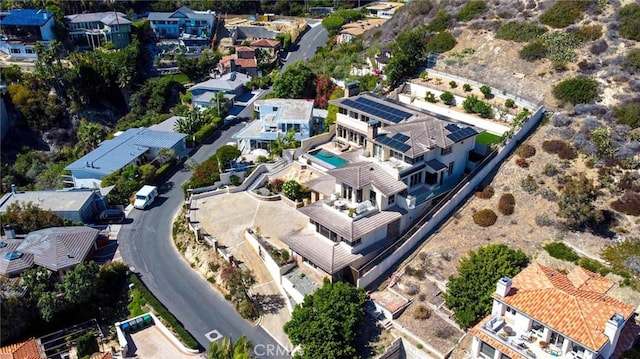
[[205, 132], [160, 309]]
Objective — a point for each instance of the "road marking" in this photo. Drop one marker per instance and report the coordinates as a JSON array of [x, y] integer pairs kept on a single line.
[[213, 335]]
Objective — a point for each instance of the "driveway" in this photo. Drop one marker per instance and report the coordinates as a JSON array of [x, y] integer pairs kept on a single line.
[[275, 220]]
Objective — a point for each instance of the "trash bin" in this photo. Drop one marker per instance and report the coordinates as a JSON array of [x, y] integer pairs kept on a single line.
[[140, 322], [147, 319], [125, 327]]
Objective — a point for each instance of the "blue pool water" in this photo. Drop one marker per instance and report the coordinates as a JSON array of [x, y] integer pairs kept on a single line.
[[328, 157]]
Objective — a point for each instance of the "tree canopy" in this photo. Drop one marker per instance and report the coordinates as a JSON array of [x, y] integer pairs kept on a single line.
[[297, 81], [576, 203], [29, 217], [228, 349], [409, 51], [469, 292], [326, 323]]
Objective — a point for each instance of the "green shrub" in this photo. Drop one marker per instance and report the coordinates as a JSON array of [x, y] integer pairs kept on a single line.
[[470, 10], [453, 84], [483, 109], [589, 33], [633, 353], [486, 193], [466, 87], [506, 204], [526, 151], [440, 22], [292, 190], [235, 180], [520, 31], [576, 90], [563, 13], [533, 51], [486, 91], [469, 103], [448, 98], [529, 184], [204, 133], [509, 103], [485, 217], [560, 250], [629, 23], [163, 170], [86, 345], [632, 61], [594, 266], [560, 46], [628, 114], [161, 311], [430, 97], [441, 42], [248, 310]]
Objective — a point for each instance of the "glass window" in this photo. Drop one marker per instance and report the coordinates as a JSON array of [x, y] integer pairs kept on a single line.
[[450, 171], [504, 356], [342, 110], [511, 311], [445, 151], [377, 152], [578, 350], [537, 328], [391, 199], [15, 51], [487, 350], [415, 179]]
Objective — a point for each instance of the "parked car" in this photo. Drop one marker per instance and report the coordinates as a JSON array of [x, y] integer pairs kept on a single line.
[[145, 196], [111, 215]]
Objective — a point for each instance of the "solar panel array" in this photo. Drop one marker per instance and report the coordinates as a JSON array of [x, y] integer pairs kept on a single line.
[[394, 143], [377, 109], [400, 137], [461, 133]]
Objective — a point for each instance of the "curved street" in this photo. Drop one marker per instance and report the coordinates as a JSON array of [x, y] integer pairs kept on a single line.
[[146, 246]]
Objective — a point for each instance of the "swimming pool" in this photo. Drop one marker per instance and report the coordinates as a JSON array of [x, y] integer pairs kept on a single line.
[[329, 158]]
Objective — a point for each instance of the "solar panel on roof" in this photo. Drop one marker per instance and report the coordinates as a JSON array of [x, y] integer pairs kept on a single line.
[[393, 143], [400, 137], [461, 133]]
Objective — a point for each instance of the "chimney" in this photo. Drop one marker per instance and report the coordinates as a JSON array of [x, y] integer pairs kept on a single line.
[[613, 327], [372, 132], [13, 189], [352, 89], [10, 232], [504, 286]]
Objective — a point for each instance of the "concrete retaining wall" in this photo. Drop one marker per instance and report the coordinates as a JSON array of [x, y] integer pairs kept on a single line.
[[420, 236]]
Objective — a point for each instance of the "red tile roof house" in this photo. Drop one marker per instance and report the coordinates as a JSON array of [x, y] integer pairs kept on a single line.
[[24, 350], [269, 46], [243, 61], [544, 314]]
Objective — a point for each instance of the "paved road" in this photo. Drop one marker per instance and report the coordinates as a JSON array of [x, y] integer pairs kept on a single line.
[[147, 247], [315, 37]]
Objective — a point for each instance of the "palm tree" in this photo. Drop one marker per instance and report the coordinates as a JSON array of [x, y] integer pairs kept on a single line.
[[283, 142], [191, 123], [227, 349]]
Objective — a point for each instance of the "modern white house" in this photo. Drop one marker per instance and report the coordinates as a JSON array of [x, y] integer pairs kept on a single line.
[[21, 29], [351, 30], [364, 203], [133, 146], [192, 28], [74, 205], [384, 10], [542, 313], [92, 30], [275, 118]]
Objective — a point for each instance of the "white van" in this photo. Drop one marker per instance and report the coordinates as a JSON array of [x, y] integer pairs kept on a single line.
[[145, 196]]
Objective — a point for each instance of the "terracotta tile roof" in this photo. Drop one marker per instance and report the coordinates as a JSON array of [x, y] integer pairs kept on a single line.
[[24, 350], [496, 344], [244, 63], [265, 43], [577, 308]]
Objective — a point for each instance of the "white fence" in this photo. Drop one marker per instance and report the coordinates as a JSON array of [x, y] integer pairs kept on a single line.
[[445, 211]]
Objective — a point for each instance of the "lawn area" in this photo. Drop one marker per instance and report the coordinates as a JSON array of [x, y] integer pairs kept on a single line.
[[487, 138], [181, 78], [137, 303]]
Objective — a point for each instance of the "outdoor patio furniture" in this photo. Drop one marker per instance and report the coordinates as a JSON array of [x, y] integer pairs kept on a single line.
[[527, 338], [495, 323], [531, 354]]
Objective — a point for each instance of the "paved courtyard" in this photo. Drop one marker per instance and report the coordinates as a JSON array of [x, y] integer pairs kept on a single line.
[[226, 217], [150, 343]]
